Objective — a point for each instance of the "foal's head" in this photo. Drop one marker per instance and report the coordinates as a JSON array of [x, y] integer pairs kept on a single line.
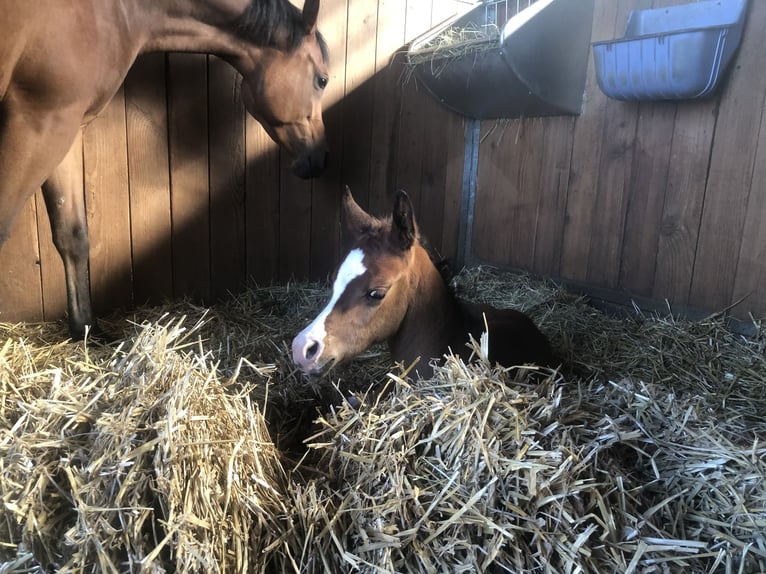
[[370, 294], [285, 77]]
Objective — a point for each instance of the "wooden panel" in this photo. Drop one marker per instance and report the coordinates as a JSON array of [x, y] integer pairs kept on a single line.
[[415, 103], [262, 182], [150, 214], [387, 101], [510, 167], [750, 277], [652, 198], [646, 196], [731, 171], [430, 207], [552, 193], [411, 143], [615, 173], [227, 181], [189, 174], [453, 134], [107, 202], [586, 155], [294, 224], [20, 287], [324, 235], [443, 173], [679, 226], [358, 100]]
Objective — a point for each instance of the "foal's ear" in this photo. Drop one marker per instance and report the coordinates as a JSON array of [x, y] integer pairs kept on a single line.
[[355, 219], [403, 228], [310, 14]]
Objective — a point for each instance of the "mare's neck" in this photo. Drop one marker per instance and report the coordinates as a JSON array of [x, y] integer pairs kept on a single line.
[[433, 321], [192, 26]]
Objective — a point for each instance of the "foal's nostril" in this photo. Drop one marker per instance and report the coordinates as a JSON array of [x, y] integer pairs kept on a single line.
[[312, 350]]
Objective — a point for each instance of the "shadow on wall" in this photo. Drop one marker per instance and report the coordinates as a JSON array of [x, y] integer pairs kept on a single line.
[[188, 197]]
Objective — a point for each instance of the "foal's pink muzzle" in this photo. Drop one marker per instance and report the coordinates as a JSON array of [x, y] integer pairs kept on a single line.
[[307, 353]]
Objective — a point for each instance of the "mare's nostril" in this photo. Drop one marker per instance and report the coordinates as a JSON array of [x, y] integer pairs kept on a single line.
[[312, 350]]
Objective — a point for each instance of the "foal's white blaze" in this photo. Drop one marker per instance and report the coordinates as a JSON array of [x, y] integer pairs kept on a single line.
[[351, 268]]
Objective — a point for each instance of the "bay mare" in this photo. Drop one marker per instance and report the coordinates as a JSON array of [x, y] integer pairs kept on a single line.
[[61, 63]]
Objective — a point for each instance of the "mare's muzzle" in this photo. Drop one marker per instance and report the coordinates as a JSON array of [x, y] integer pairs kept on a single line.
[[310, 165]]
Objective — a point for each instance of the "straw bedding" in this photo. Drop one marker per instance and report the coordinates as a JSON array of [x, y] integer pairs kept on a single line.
[[191, 445]]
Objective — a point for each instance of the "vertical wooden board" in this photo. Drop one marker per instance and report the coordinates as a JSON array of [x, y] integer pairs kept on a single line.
[[262, 204], [441, 10], [437, 135], [586, 155], [411, 144], [294, 223], [387, 97], [682, 208], [20, 285], [507, 195], [731, 170], [357, 107], [615, 173], [418, 18], [189, 174], [521, 220], [552, 194], [750, 277], [614, 177], [107, 201], [646, 196], [150, 213], [227, 179], [412, 124], [453, 185], [439, 130], [496, 188], [348, 70]]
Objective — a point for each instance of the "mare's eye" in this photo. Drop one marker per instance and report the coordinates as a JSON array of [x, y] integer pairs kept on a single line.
[[376, 294], [322, 82]]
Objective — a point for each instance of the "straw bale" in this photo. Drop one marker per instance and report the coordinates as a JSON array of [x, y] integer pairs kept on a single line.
[[180, 446]]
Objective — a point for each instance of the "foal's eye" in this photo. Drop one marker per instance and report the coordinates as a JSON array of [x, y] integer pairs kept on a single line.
[[322, 82], [376, 294]]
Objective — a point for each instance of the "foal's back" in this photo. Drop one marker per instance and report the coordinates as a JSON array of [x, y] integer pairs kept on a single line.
[[514, 339]]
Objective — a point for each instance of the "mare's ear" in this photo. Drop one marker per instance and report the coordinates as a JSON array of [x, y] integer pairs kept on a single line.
[[355, 219], [310, 14], [403, 227]]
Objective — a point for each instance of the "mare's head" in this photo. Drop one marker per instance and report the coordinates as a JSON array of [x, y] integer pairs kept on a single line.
[[285, 77], [371, 290]]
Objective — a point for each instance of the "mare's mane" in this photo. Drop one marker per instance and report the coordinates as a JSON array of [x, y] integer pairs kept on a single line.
[[264, 22]]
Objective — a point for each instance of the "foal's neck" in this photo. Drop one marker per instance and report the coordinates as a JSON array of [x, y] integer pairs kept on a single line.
[[433, 317]]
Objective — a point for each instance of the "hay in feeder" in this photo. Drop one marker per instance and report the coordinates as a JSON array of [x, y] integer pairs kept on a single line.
[[177, 448], [450, 45]]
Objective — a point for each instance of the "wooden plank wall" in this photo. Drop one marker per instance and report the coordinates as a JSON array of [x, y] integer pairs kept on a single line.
[[188, 197], [659, 200]]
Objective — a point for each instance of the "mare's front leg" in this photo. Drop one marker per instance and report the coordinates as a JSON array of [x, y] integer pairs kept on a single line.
[[65, 201], [33, 140]]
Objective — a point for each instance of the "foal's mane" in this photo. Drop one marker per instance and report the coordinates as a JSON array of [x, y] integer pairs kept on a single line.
[[378, 227], [263, 22]]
